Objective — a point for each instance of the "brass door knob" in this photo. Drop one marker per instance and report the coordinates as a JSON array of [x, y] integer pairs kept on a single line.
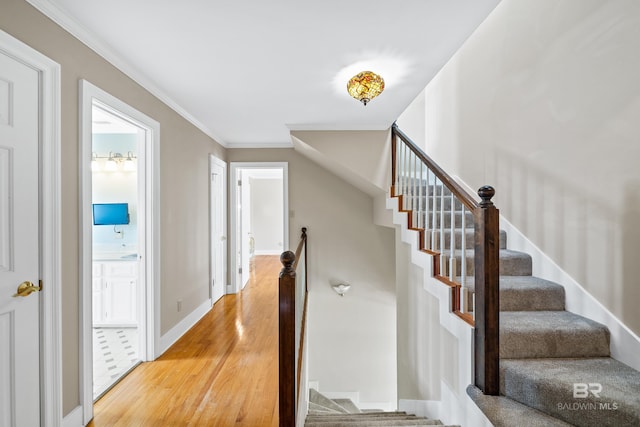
[[26, 288]]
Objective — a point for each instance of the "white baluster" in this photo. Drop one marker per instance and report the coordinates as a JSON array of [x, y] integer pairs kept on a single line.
[[452, 241], [441, 228], [434, 197]]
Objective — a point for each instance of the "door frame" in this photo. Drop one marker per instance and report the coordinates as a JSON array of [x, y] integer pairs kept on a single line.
[[50, 225], [214, 160], [234, 286], [151, 158]]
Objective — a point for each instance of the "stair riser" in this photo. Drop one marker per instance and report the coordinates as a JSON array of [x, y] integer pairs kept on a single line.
[[594, 343], [531, 300], [551, 389], [509, 266]]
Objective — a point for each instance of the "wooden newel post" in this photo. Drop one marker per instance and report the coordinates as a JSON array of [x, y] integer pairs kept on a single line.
[[487, 316], [286, 340]]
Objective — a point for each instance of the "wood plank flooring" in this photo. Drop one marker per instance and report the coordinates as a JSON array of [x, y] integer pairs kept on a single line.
[[223, 372]]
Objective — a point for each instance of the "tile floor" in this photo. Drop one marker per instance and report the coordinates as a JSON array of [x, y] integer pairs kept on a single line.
[[115, 351]]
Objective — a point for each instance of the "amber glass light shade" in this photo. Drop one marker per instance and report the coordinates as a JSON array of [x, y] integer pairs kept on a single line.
[[365, 86]]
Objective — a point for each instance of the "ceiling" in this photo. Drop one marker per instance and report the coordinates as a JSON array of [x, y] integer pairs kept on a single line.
[[247, 72]]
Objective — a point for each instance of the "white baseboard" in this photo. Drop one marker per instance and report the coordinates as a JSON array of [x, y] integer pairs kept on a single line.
[[422, 408], [174, 334], [73, 418]]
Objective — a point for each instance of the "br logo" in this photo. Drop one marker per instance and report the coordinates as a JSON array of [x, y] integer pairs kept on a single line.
[[582, 390]]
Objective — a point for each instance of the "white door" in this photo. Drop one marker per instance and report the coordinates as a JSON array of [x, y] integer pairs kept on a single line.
[[19, 244], [218, 229], [246, 245]]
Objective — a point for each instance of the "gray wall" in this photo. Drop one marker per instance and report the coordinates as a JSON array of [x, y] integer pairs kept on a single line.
[[184, 179]]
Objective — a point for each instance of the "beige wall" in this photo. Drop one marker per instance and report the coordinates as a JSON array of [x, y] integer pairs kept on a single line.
[[343, 245], [184, 180], [543, 103], [362, 158]]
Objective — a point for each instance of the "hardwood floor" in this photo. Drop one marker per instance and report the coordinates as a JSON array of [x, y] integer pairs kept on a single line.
[[223, 372]]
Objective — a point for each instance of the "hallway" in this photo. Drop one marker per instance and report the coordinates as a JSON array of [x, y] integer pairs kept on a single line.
[[222, 372]]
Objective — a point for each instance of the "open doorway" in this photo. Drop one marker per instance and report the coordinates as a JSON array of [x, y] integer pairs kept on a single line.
[[118, 228], [119, 262], [259, 201]]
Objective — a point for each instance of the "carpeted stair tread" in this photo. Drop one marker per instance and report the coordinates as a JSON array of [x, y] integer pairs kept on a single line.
[[320, 399], [357, 417], [551, 334], [348, 405], [322, 410], [367, 414], [548, 385], [530, 293], [526, 293], [373, 422], [505, 412], [512, 263]]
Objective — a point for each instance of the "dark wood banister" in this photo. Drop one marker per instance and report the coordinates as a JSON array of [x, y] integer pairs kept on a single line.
[[460, 193], [486, 264], [287, 333]]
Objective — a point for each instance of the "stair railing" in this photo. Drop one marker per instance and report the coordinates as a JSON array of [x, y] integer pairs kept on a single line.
[[292, 295], [450, 222]]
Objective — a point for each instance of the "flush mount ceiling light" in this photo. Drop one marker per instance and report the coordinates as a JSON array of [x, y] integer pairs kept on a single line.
[[365, 86]]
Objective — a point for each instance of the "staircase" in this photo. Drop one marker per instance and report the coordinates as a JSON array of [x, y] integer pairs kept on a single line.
[[553, 361], [325, 412]]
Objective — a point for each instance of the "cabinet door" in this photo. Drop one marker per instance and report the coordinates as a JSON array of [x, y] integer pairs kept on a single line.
[[97, 297], [120, 299], [120, 269]]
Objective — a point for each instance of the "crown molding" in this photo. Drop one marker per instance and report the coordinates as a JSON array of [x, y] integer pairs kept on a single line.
[[87, 37], [260, 145]]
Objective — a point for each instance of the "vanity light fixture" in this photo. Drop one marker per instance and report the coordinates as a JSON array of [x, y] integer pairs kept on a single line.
[[129, 164], [111, 165], [94, 162], [113, 161]]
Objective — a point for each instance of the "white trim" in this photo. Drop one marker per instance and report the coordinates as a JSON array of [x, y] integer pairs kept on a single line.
[[50, 233], [90, 94], [217, 161], [233, 171], [94, 43], [181, 328], [259, 145], [73, 418], [625, 344]]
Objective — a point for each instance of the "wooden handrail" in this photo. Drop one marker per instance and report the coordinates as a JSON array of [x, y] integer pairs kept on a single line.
[[460, 193], [289, 371], [486, 252]]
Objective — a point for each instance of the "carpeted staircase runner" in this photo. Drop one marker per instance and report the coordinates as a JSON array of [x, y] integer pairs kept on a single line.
[[555, 365], [325, 412]]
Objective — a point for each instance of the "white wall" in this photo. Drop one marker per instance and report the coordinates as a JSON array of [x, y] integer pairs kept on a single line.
[[542, 102], [266, 215], [351, 338]]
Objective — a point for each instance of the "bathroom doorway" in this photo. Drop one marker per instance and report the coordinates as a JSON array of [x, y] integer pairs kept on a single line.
[[118, 228], [120, 217]]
